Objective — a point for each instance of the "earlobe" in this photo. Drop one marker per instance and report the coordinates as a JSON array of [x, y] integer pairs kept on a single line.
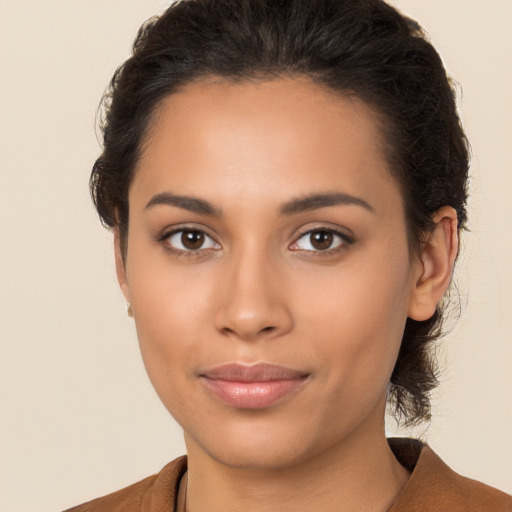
[[120, 265], [436, 263]]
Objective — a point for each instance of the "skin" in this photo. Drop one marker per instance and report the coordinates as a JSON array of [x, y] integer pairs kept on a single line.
[[258, 290]]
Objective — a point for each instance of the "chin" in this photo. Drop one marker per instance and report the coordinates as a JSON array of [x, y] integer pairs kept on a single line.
[[256, 445], [256, 458]]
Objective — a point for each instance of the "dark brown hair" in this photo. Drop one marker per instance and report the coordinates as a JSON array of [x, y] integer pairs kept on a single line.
[[359, 47]]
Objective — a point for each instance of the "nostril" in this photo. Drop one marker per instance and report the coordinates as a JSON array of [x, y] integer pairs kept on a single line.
[[251, 319], [248, 335]]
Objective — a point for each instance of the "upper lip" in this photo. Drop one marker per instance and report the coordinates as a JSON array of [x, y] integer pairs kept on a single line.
[[260, 372]]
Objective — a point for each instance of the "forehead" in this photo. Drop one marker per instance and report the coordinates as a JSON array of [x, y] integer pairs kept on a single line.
[[271, 138]]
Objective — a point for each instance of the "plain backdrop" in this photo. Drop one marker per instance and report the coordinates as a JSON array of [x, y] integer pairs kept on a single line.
[[78, 417]]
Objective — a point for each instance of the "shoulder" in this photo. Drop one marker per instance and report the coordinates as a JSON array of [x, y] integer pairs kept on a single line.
[[128, 499], [156, 492], [433, 486]]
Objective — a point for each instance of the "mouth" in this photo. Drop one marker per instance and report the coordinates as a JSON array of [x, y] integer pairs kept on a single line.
[[252, 386]]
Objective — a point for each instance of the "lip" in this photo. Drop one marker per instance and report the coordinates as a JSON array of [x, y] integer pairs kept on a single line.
[[252, 386]]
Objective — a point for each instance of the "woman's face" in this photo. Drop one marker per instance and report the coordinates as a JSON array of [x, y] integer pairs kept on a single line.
[[268, 269]]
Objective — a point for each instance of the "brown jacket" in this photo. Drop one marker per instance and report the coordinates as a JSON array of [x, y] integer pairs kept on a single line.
[[432, 487]]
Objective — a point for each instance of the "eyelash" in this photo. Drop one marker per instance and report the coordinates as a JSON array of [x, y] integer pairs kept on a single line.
[[345, 241], [181, 253]]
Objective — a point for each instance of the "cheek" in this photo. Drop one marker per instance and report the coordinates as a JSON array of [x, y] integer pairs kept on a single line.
[[169, 313], [168, 298], [357, 315], [172, 306]]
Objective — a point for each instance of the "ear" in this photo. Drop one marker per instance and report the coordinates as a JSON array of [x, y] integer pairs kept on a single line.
[[120, 265], [435, 265]]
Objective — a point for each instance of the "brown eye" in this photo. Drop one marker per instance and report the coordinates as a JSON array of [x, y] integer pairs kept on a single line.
[[189, 240], [192, 240], [321, 240]]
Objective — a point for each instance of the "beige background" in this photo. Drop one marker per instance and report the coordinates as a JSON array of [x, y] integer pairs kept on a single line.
[[78, 417]]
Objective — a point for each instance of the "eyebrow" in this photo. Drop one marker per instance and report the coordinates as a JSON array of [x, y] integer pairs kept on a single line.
[[322, 200], [292, 207], [190, 203]]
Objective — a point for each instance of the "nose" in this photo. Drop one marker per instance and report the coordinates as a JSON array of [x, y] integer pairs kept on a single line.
[[252, 303]]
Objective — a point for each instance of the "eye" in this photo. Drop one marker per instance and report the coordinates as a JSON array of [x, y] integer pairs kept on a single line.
[[321, 240], [190, 240]]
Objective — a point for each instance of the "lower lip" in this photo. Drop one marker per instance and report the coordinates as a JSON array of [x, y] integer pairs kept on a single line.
[[252, 395]]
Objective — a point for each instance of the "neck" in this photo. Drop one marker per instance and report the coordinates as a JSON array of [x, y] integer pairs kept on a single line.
[[360, 474]]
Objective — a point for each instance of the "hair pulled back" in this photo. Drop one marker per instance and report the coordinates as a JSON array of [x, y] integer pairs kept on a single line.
[[363, 48]]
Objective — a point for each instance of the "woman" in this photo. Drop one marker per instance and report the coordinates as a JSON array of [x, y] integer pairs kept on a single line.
[[286, 182]]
